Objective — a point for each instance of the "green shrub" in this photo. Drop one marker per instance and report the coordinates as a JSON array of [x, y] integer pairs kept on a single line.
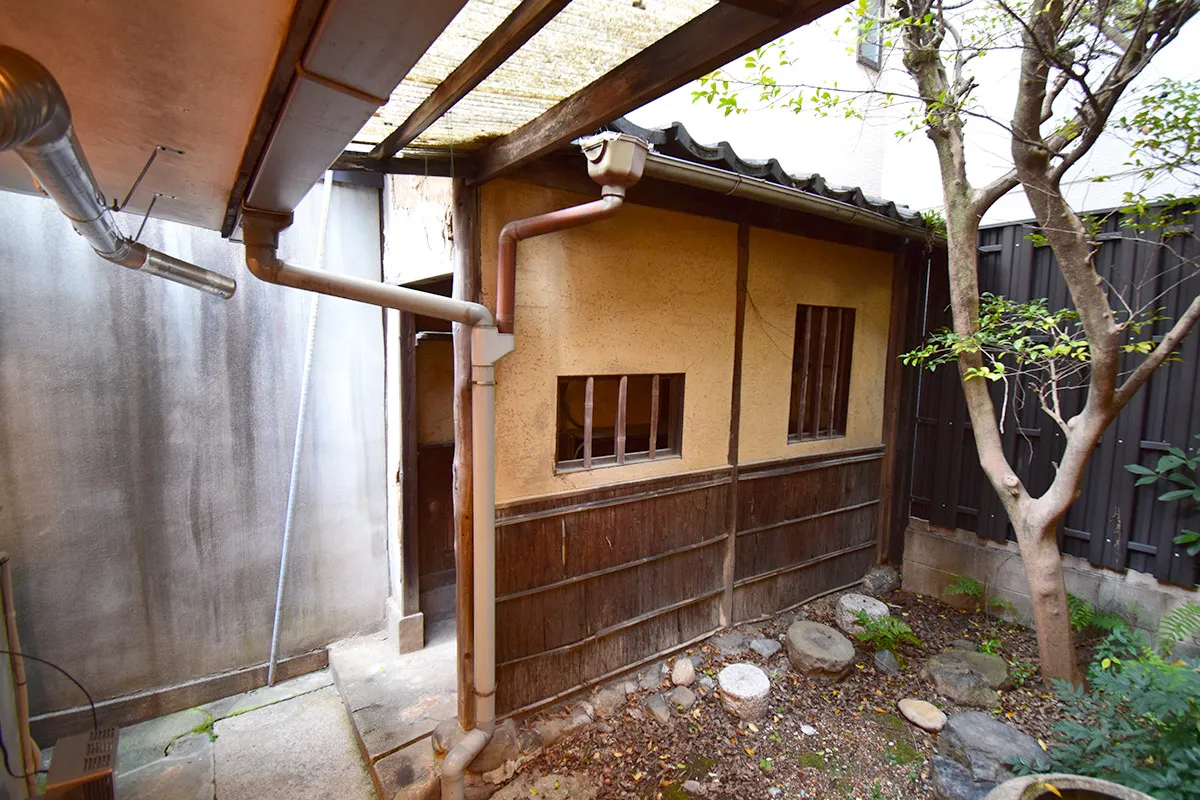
[[884, 633], [1182, 469], [1138, 725], [1080, 611], [964, 585], [1178, 626]]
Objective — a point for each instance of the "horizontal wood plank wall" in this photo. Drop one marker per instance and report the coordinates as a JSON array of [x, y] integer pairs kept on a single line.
[[805, 526], [594, 582]]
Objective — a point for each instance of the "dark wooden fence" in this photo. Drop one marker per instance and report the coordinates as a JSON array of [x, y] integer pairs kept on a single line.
[[1113, 524]]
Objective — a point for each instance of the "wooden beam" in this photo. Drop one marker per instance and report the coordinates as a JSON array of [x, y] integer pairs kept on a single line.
[[772, 8], [438, 166], [517, 28], [467, 283], [728, 567], [703, 44]]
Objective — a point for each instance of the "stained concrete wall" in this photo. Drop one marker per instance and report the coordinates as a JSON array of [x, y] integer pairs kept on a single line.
[[647, 291], [435, 391], [146, 434], [934, 555]]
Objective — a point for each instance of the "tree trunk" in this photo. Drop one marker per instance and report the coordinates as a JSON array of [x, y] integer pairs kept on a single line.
[[1048, 593]]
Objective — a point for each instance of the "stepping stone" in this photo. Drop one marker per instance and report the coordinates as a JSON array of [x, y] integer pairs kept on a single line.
[[962, 644], [684, 672], [848, 607], [745, 691], [766, 647], [881, 581], [658, 707], [818, 650], [986, 746], [925, 716], [886, 663], [967, 677], [730, 643], [682, 697]]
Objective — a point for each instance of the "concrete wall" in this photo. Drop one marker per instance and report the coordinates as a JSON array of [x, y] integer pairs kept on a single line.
[[789, 270], [647, 291], [146, 434], [933, 556]]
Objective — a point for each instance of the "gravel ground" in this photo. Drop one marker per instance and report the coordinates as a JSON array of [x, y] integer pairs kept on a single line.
[[821, 740]]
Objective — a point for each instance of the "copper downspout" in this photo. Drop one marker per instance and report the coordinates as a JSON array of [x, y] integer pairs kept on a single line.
[[29, 752], [515, 231]]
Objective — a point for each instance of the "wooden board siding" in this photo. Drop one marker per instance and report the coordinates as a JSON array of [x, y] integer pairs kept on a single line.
[[435, 515], [805, 526], [594, 582]]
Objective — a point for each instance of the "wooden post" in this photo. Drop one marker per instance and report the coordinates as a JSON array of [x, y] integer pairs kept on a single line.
[[467, 282], [410, 591], [900, 394], [735, 413]]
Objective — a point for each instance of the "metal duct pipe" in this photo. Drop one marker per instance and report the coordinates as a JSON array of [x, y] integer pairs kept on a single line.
[[677, 170], [35, 120]]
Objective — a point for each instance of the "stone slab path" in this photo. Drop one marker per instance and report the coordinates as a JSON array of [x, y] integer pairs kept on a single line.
[[395, 702], [292, 740]]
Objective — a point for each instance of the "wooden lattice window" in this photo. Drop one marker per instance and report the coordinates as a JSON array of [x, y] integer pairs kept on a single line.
[[821, 372], [607, 420]]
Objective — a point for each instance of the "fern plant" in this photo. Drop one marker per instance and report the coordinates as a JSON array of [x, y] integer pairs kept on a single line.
[[1080, 611], [884, 633], [1178, 626], [964, 585]]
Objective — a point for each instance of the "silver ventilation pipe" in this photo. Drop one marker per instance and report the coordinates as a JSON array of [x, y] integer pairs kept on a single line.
[[35, 121]]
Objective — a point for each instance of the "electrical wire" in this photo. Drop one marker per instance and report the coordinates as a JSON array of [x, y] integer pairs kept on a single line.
[[8, 768], [70, 677]]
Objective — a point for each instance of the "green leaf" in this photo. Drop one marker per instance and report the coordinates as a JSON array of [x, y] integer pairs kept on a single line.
[[1175, 494], [1138, 469]]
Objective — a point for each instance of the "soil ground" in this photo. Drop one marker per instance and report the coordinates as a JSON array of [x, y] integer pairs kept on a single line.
[[861, 747]]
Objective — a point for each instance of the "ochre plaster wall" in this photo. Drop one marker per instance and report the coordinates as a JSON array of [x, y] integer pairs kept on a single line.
[[646, 291], [435, 391], [786, 271]]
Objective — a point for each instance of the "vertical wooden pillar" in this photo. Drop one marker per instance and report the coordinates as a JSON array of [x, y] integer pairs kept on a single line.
[[467, 286], [735, 413], [410, 590], [906, 328]]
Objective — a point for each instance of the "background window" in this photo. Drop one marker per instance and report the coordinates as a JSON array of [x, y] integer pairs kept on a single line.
[[821, 372], [605, 420], [870, 36]]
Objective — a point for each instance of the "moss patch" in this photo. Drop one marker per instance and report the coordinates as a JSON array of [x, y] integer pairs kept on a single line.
[[903, 753], [812, 761], [890, 722]]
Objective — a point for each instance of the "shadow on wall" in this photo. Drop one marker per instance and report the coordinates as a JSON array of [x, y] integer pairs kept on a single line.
[[146, 435]]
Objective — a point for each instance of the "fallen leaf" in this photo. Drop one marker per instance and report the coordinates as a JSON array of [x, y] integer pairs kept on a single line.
[[750, 750], [753, 727]]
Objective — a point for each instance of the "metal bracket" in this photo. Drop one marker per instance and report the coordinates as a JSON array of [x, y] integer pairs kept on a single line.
[[150, 208], [158, 148]]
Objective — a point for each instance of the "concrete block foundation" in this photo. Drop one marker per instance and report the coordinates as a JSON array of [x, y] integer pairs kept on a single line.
[[934, 555]]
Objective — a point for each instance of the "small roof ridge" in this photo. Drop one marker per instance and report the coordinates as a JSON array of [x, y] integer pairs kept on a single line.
[[675, 140]]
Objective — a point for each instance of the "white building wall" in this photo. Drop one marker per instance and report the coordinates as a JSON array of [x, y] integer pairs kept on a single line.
[[867, 153]]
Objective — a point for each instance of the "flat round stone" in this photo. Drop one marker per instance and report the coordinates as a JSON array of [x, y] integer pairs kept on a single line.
[[818, 650], [924, 715], [745, 690], [850, 605]]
